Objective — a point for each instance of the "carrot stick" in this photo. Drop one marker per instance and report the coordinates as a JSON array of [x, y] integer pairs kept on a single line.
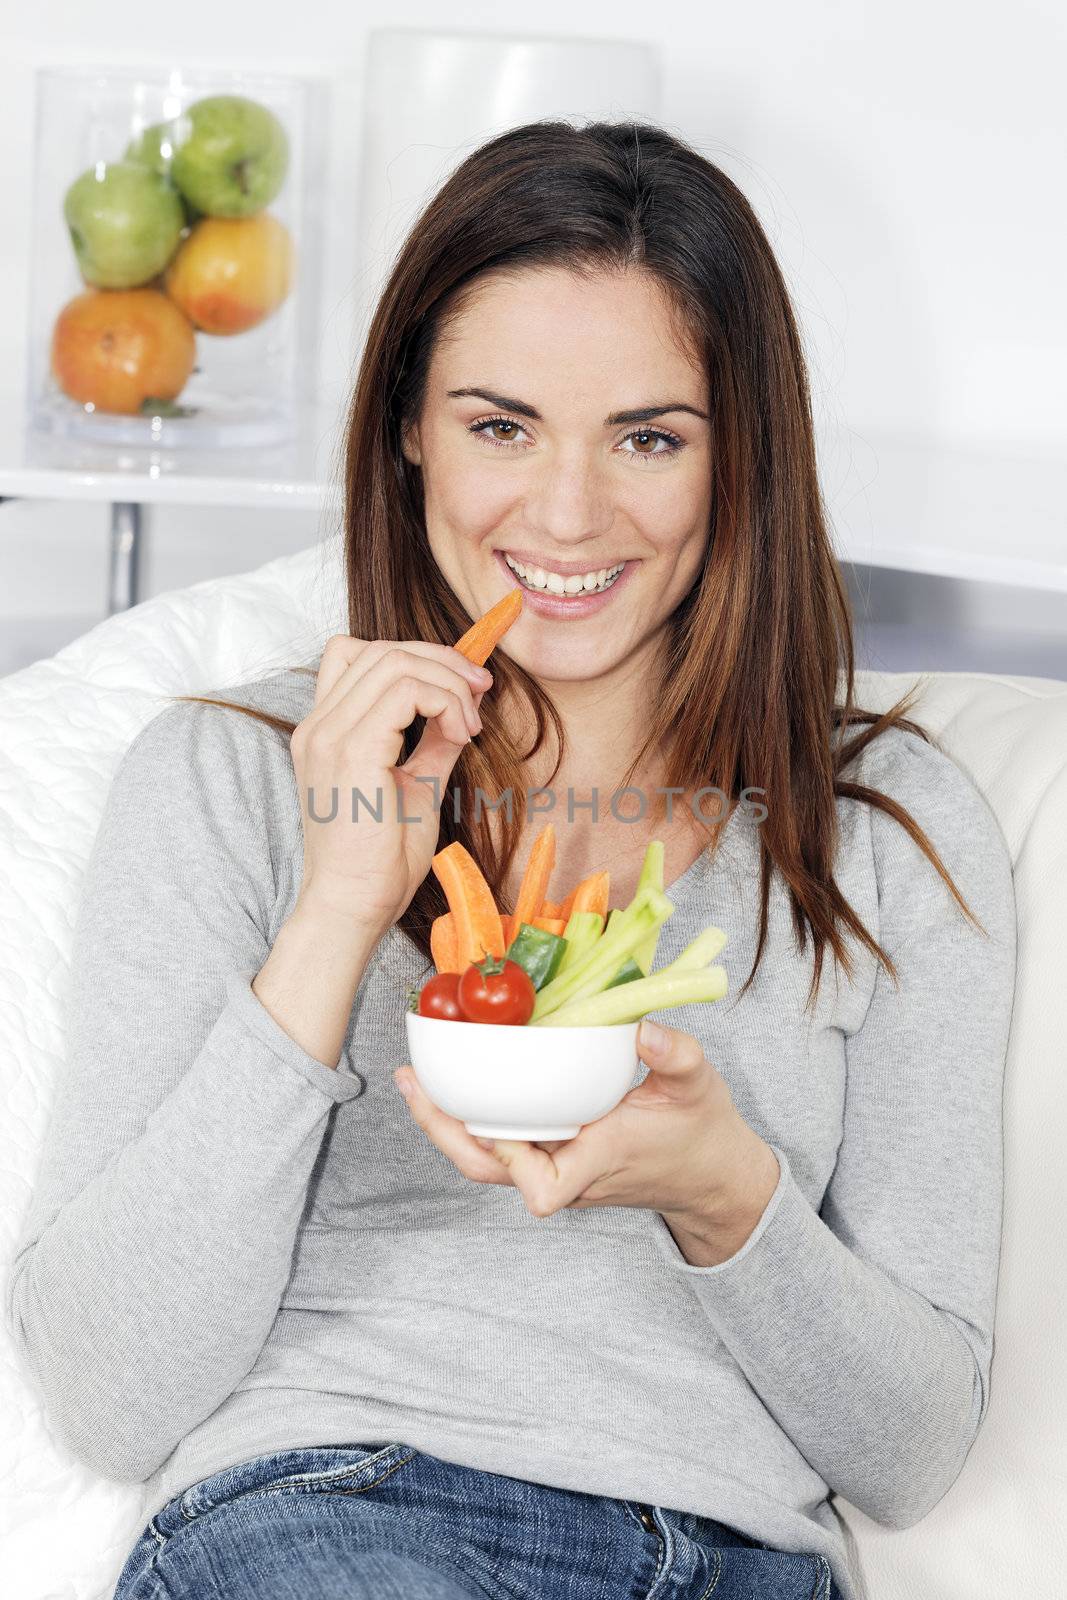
[[550, 924], [510, 928], [551, 908], [591, 894], [479, 930], [443, 943], [483, 636], [542, 859]]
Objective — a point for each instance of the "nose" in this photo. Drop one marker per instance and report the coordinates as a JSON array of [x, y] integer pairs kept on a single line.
[[568, 502]]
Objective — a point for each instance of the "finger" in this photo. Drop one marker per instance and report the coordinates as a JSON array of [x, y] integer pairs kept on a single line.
[[403, 685], [338, 654], [449, 1135], [434, 756], [671, 1052], [350, 658], [550, 1181], [679, 1072], [393, 664]]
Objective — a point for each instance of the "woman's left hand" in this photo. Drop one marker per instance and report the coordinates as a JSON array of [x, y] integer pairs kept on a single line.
[[675, 1144]]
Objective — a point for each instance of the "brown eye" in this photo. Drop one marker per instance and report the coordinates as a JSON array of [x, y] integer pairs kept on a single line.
[[654, 437], [507, 424]]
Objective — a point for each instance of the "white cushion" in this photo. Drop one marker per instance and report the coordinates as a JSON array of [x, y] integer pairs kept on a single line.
[[64, 724]]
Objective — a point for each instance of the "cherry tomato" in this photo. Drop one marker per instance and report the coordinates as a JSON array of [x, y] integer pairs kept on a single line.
[[438, 997], [496, 990]]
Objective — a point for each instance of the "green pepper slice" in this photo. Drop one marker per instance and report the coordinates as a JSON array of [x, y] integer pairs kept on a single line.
[[537, 952]]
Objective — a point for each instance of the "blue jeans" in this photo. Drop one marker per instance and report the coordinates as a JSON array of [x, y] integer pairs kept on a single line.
[[386, 1522]]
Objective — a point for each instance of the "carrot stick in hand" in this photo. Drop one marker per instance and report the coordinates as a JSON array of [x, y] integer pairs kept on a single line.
[[483, 636]]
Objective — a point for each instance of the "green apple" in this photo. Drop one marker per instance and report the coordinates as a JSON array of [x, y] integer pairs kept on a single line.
[[234, 157], [125, 222], [155, 146]]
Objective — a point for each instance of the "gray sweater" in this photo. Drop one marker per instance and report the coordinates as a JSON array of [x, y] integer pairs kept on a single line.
[[234, 1249]]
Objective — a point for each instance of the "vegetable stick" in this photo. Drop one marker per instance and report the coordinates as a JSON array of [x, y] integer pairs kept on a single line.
[[539, 866], [698, 952], [598, 966], [443, 943], [592, 894], [581, 933], [651, 874], [551, 908], [483, 636], [550, 924], [631, 1001], [479, 930]]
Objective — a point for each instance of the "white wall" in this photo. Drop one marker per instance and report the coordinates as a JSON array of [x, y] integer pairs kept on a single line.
[[906, 159]]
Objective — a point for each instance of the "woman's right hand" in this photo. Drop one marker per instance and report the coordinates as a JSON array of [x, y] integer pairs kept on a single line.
[[367, 692]]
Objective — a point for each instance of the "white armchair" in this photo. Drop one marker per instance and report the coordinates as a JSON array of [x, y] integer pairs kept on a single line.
[[65, 722]]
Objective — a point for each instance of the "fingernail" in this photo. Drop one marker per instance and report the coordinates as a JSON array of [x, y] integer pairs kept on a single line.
[[652, 1037]]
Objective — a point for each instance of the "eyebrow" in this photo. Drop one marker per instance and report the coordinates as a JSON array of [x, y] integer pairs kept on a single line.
[[523, 409]]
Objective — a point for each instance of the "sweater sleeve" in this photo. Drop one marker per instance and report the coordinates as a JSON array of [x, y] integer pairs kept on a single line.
[[866, 1326], [186, 1121]]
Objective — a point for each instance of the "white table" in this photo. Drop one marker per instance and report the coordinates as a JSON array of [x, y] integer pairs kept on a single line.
[[302, 474]]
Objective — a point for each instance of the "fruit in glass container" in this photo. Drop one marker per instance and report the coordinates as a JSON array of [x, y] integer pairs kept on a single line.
[[233, 158], [124, 222], [231, 272], [154, 147], [112, 349]]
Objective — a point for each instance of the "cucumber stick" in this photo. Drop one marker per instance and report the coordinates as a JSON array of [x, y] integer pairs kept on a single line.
[[629, 1002]]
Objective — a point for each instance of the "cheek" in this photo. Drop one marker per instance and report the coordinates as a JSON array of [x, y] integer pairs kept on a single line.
[[467, 502], [674, 512]]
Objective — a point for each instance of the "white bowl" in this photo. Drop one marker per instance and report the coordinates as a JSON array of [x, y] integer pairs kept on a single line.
[[522, 1082]]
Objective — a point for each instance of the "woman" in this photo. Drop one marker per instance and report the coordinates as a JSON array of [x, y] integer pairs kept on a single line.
[[354, 1351]]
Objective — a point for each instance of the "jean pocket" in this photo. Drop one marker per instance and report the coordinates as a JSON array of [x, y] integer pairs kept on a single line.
[[349, 1467], [769, 1574]]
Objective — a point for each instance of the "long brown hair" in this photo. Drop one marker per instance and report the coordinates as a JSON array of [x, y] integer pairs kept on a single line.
[[752, 656]]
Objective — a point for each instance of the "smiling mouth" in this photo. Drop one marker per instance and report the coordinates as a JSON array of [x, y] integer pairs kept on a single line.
[[545, 581]]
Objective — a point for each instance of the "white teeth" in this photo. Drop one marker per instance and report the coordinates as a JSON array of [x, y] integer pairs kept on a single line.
[[555, 583]]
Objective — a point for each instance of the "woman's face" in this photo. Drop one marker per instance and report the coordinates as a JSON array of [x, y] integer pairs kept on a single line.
[[538, 480]]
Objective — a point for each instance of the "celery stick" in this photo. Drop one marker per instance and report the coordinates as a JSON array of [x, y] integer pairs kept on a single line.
[[651, 877], [594, 970], [583, 930], [629, 1002], [698, 952]]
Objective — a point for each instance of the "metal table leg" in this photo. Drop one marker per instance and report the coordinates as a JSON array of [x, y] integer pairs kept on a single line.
[[124, 565]]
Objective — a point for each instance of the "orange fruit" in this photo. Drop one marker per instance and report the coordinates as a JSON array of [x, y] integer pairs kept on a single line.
[[231, 273], [113, 348]]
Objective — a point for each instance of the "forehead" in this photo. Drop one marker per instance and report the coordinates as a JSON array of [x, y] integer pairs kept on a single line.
[[569, 334]]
